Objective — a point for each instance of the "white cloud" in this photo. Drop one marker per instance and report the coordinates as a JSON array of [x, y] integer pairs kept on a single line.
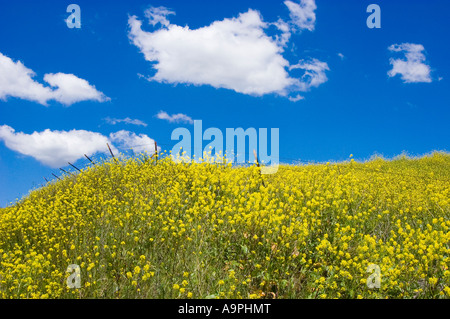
[[54, 148], [285, 30], [341, 56], [57, 148], [129, 140], [413, 69], [314, 73], [302, 14], [127, 120], [157, 15], [71, 89], [16, 80], [234, 54], [175, 118], [296, 98]]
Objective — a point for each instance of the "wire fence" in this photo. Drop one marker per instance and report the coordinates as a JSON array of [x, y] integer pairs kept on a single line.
[[294, 165]]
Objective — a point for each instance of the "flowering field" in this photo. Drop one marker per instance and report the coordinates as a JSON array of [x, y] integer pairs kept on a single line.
[[138, 228]]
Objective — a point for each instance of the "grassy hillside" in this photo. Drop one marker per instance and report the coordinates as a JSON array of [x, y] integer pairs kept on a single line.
[[141, 229]]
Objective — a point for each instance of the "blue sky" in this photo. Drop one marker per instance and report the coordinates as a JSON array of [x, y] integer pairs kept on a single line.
[[350, 103]]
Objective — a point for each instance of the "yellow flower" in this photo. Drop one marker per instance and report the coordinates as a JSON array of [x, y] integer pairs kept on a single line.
[[433, 281]]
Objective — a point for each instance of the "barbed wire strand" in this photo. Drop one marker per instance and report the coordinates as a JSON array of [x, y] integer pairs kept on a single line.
[[287, 166]]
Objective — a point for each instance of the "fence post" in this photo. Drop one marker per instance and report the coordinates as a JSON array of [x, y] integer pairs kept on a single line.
[[115, 159], [89, 159], [74, 167], [66, 172]]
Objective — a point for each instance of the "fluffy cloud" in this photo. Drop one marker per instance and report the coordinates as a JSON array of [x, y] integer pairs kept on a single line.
[[16, 80], [56, 148], [234, 54], [126, 120], [412, 69], [71, 89], [175, 118], [129, 140], [302, 14]]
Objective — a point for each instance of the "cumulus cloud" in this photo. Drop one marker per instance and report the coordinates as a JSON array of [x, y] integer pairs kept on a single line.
[[56, 148], [412, 69], [302, 14], [16, 80], [71, 89], [127, 120], [234, 54], [175, 118], [129, 140]]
